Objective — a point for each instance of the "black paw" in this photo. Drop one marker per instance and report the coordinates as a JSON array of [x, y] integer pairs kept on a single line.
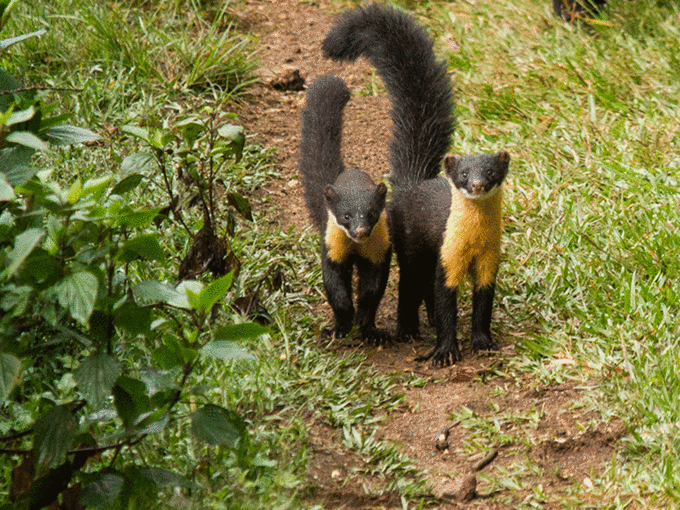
[[375, 336], [404, 334], [445, 356], [328, 333], [483, 342]]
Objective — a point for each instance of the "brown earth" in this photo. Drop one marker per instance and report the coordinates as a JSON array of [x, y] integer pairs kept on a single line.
[[544, 428]]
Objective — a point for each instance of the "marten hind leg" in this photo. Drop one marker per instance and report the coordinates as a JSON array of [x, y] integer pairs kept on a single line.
[[412, 289]]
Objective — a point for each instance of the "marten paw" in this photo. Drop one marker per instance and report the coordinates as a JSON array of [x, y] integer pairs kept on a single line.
[[404, 334], [336, 332], [483, 342], [375, 336], [443, 356]]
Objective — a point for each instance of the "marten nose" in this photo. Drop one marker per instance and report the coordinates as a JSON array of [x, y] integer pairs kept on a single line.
[[361, 232], [477, 186]]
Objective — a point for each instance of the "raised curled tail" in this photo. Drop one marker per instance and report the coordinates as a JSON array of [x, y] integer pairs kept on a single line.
[[320, 142], [422, 99]]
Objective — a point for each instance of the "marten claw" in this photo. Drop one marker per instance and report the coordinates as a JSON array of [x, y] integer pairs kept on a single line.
[[375, 336], [445, 357]]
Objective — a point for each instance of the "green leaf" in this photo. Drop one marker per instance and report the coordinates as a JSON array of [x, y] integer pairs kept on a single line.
[[138, 163], [241, 204], [17, 174], [164, 478], [67, 135], [153, 423], [241, 331], [224, 350], [27, 139], [6, 43], [153, 291], [145, 246], [215, 291], [9, 83], [190, 129], [75, 192], [103, 491], [137, 132], [157, 381], [189, 291], [15, 163], [168, 355], [6, 189], [78, 293], [192, 299], [10, 368], [20, 116], [138, 219], [130, 399], [23, 246], [133, 318], [236, 136], [127, 184], [218, 426], [53, 435], [96, 375], [96, 186]]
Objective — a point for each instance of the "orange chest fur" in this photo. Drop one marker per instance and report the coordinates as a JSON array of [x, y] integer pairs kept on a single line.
[[472, 239], [339, 247]]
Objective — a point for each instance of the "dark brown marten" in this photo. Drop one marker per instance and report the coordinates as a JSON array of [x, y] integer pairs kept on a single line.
[[348, 208], [441, 227]]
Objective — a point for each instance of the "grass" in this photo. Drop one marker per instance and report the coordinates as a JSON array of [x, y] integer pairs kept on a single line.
[[591, 247]]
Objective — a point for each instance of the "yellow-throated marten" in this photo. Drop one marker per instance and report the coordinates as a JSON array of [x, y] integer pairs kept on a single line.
[[441, 227], [348, 208]]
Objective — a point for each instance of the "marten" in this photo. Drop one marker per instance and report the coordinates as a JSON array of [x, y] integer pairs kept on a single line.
[[441, 227], [348, 209]]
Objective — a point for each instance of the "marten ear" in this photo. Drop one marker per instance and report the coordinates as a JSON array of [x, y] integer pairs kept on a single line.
[[331, 194], [450, 162], [503, 157], [381, 191]]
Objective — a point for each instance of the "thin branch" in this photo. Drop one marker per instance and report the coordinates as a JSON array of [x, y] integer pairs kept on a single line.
[[31, 89]]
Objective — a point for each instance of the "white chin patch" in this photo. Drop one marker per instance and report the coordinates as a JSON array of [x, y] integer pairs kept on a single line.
[[479, 196], [346, 232]]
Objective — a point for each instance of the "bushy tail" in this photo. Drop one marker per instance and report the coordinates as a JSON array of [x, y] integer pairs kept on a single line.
[[320, 142], [422, 99]]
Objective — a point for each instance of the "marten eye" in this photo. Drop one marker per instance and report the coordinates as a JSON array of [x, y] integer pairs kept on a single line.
[[348, 216]]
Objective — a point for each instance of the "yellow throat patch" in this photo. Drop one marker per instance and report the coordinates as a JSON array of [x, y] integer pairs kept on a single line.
[[339, 246], [472, 239]]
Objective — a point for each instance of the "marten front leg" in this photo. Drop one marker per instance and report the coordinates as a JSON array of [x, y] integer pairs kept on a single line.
[[337, 282], [446, 316], [372, 284], [482, 304]]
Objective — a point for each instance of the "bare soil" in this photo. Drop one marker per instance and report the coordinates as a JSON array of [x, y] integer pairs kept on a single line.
[[563, 441]]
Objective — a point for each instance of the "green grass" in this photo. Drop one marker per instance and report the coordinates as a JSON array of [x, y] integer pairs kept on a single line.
[[591, 245]]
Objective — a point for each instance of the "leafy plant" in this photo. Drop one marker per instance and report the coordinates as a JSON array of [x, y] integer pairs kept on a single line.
[[76, 304], [191, 159]]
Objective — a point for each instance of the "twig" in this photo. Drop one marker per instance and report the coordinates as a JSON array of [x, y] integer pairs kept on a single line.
[[30, 89]]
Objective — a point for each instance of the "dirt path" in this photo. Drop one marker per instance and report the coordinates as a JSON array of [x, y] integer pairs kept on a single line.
[[543, 438]]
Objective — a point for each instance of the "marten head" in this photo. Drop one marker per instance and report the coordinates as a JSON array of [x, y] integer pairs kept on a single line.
[[478, 176], [355, 203]]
